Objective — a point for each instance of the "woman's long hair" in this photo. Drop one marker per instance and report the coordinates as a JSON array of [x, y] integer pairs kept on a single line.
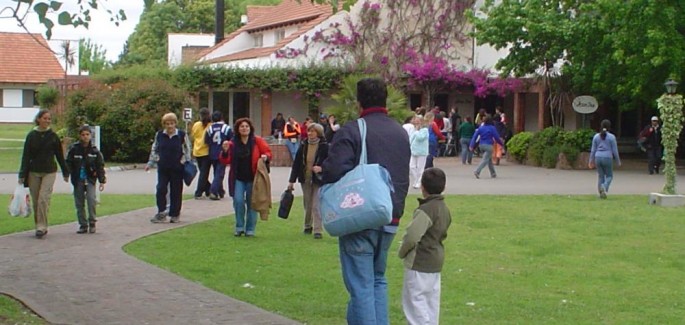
[[604, 126], [205, 116]]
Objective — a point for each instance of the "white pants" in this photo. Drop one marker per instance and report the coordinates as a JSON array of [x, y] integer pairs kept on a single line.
[[421, 297], [416, 166]]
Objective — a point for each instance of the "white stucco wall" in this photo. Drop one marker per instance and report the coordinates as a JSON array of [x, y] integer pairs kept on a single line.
[[176, 42], [12, 109], [240, 42]]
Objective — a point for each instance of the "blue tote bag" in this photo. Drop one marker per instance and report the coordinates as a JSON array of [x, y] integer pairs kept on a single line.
[[359, 200]]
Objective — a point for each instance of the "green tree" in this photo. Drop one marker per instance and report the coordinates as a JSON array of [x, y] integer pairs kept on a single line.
[[92, 57], [616, 50], [49, 11]]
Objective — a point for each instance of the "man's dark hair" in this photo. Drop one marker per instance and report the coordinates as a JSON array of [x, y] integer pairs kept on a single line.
[[371, 92], [217, 116], [433, 180]]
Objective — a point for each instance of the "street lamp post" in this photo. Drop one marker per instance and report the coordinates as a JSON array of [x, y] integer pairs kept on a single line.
[[671, 110]]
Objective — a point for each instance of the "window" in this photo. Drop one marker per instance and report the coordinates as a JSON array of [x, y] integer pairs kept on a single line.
[[280, 34], [259, 40]]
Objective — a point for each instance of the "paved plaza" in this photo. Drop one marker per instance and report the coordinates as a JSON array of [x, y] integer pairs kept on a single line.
[[70, 279]]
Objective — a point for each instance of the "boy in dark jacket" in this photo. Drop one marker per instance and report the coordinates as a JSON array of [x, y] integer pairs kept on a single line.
[[87, 167], [423, 252]]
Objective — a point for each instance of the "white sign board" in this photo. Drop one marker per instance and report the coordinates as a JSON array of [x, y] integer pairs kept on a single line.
[[187, 114], [585, 104]]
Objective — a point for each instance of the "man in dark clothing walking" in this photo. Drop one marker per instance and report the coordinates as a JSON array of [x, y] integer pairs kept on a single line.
[[363, 255], [652, 144]]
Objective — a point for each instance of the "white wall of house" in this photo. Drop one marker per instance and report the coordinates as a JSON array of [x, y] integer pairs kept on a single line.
[[18, 105], [176, 42], [240, 42]]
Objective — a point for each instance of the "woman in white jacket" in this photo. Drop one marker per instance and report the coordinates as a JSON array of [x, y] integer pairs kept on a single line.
[[419, 148]]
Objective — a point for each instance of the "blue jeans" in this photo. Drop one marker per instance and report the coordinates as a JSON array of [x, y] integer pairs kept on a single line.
[[217, 186], [486, 149], [243, 208], [466, 154], [605, 172], [363, 258], [292, 147]]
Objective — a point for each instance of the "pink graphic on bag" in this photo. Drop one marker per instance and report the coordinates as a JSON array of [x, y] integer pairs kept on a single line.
[[352, 200]]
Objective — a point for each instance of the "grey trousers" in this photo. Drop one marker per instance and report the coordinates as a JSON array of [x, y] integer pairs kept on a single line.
[[85, 191]]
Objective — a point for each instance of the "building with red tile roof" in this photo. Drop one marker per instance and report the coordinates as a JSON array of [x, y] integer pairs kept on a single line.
[[26, 62]]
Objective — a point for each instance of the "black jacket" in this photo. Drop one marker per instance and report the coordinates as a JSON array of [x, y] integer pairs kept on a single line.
[[387, 144], [89, 157], [298, 170], [41, 149]]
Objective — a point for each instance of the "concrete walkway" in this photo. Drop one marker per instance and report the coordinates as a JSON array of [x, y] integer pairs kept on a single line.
[[88, 279]]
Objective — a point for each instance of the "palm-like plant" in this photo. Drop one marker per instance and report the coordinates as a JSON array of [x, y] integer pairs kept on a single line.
[[346, 109], [67, 54]]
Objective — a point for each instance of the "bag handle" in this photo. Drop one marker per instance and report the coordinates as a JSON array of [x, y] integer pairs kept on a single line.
[[362, 132]]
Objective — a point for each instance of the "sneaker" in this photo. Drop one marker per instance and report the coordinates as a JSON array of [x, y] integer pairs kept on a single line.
[[602, 192], [159, 218], [493, 175], [318, 236], [238, 233], [41, 233], [174, 219], [307, 231], [199, 197], [476, 174], [213, 197], [91, 228], [81, 230]]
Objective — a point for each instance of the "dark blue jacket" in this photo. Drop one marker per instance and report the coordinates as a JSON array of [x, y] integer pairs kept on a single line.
[[387, 144]]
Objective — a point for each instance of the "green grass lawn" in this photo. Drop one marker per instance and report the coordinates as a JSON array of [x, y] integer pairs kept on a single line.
[[13, 312], [509, 260], [10, 150], [62, 210]]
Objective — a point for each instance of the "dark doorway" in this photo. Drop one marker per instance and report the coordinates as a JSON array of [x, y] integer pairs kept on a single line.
[[221, 103], [489, 103], [241, 105], [414, 101], [441, 101]]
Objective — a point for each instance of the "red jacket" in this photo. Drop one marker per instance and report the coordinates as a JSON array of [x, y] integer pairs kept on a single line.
[[259, 148]]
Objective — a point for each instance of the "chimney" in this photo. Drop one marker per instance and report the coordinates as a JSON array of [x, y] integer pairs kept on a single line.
[[219, 23]]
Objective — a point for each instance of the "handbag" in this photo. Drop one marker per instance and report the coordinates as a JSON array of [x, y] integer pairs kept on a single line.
[[189, 172], [287, 199], [360, 200]]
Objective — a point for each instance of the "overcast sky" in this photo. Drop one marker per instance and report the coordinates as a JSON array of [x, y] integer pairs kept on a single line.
[[101, 30]]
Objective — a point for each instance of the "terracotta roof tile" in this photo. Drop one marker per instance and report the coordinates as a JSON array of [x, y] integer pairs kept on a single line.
[[254, 12], [25, 60], [288, 12]]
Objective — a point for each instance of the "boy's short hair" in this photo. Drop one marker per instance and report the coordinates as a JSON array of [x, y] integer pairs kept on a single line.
[[433, 180], [84, 128]]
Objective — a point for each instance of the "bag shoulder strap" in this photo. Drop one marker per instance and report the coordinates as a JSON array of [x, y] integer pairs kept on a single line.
[[362, 132]]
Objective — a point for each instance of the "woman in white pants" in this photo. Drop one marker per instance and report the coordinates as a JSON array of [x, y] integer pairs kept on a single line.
[[419, 149]]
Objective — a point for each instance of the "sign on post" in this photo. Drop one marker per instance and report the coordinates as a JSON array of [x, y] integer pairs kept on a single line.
[[187, 114], [585, 104]]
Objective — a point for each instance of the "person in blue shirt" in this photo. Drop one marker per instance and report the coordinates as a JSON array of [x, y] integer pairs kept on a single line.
[[602, 155], [486, 135], [216, 134]]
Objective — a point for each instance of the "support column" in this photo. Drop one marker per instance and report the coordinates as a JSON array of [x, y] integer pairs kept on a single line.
[[266, 111], [519, 112], [541, 108]]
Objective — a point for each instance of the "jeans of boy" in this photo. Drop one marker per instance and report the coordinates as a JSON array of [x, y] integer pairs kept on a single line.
[[432, 152], [292, 147], [486, 149], [605, 172], [245, 216], [170, 179], [217, 187], [203, 185], [363, 259], [654, 159], [84, 192]]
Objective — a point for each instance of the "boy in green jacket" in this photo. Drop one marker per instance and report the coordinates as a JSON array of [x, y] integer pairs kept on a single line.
[[423, 252]]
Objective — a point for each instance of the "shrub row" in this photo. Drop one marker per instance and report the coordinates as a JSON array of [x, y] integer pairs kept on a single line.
[[543, 148]]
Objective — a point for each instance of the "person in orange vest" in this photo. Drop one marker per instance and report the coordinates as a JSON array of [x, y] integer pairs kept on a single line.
[[292, 132]]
